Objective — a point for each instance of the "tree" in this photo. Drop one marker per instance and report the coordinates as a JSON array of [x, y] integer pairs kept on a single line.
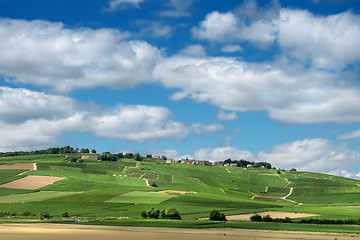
[[84, 150], [171, 213], [93, 151], [129, 155], [45, 215], [215, 215], [256, 218], [149, 156], [163, 157], [137, 157]]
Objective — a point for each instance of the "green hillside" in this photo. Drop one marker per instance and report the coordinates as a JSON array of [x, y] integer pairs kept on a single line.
[[99, 190]]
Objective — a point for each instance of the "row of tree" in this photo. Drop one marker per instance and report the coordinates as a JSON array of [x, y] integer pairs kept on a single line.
[[53, 150], [168, 213], [245, 163]]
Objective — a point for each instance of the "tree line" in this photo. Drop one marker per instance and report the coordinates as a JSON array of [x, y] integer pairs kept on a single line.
[[245, 163], [53, 150]]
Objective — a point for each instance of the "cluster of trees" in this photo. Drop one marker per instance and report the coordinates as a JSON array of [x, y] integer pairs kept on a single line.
[[168, 213], [331, 221], [54, 150], [107, 156], [267, 218], [215, 215], [244, 163]]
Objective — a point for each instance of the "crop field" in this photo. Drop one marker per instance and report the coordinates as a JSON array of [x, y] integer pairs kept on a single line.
[[98, 191]]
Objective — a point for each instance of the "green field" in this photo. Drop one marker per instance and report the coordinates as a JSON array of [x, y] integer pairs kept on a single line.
[[95, 190]]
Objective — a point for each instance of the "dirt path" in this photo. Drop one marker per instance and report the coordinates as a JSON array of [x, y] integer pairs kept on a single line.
[[147, 182], [274, 197], [80, 232], [223, 191]]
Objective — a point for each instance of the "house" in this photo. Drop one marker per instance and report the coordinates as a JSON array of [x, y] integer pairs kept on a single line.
[[219, 164], [249, 165], [156, 156], [168, 161], [233, 164]]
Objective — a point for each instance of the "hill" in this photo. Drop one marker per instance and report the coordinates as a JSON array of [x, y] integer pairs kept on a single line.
[[104, 190]]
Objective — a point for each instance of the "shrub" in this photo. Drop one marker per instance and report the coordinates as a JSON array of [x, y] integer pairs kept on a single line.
[[171, 213], [45, 215], [256, 218], [267, 218], [66, 215], [26, 213], [215, 215]]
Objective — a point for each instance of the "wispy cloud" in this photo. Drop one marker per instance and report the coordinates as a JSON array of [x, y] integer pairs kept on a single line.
[[178, 8], [122, 4]]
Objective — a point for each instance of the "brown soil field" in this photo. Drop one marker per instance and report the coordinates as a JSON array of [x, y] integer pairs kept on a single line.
[[31, 182], [79, 232], [27, 166], [271, 214], [174, 191]]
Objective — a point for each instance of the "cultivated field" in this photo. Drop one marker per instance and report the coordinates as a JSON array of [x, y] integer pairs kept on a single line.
[[115, 193], [32, 182]]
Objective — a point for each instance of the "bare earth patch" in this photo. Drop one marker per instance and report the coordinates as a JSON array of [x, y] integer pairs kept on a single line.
[[79, 232], [174, 191], [31, 182], [272, 215], [27, 166]]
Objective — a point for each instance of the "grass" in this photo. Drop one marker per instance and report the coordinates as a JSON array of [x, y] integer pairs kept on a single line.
[[31, 197], [137, 197]]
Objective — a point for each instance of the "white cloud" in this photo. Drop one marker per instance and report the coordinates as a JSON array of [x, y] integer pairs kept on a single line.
[[137, 123], [223, 116], [231, 48], [178, 8], [121, 4], [328, 42], [33, 119], [317, 155], [217, 27], [169, 153], [200, 128], [294, 95], [48, 54], [350, 135], [155, 29], [222, 153], [193, 51], [247, 23], [20, 105]]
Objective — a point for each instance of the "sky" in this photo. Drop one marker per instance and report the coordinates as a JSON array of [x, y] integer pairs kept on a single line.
[[275, 80]]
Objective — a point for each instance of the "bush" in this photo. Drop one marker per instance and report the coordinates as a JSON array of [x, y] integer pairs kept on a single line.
[[215, 215], [144, 214], [171, 213], [256, 218], [168, 213], [26, 214], [45, 215], [267, 218], [66, 215]]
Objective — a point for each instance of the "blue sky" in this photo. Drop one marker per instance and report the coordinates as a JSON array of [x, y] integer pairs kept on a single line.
[[274, 81]]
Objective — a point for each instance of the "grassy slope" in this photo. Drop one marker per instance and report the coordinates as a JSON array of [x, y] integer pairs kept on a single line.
[[103, 190]]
